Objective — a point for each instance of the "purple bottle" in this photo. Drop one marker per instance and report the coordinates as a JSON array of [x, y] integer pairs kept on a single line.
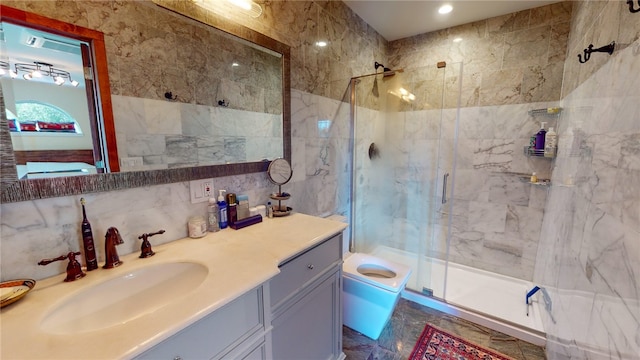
[[540, 137]]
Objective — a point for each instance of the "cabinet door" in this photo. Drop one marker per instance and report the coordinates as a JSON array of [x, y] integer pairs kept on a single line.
[[216, 334], [311, 328]]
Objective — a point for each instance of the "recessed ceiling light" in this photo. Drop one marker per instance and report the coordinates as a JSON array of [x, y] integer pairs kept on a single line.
[[321, 43], [458, 39], [445, 9]]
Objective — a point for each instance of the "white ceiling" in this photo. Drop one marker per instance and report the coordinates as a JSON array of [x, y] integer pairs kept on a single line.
[[403, 18], [16, 50]]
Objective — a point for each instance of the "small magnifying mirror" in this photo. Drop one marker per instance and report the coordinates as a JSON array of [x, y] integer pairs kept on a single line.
[[280, 171]]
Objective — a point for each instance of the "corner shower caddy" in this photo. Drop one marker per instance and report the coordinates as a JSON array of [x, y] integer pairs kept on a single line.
[[553, 113]]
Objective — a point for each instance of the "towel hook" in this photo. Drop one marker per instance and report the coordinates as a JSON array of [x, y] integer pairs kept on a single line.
[[630, 2], [587, 52]]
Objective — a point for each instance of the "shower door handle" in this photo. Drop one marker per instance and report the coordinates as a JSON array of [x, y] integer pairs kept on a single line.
[[444, 188]]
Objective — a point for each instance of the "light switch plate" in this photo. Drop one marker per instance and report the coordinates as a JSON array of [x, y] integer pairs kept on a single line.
[[201, 190], [130, 162]]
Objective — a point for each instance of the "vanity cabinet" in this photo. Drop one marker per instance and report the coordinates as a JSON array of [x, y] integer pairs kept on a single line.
[[306, 304], [235, 331]]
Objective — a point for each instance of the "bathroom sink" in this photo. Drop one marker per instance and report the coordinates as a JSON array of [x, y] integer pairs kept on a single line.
[[124, 298]]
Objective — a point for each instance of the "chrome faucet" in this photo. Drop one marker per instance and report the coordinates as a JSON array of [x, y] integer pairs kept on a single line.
[[111, 239]]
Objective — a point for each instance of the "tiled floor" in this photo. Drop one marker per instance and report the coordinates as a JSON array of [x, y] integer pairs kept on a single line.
[[408, 321]]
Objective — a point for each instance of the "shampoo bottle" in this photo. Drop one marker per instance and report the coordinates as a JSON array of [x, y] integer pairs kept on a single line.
[[550, 143], [222, 210], [540, 137]]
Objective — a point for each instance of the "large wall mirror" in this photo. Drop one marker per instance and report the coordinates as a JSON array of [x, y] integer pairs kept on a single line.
[[193, 95]]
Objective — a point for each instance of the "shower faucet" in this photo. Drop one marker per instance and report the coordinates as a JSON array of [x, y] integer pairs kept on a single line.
[[529, 295]]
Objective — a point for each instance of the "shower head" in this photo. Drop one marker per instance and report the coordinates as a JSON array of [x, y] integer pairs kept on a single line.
[[384, 69]]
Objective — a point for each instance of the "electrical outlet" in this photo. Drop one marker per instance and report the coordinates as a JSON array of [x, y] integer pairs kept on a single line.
[[207, 188], [201, 190], [130, 162]]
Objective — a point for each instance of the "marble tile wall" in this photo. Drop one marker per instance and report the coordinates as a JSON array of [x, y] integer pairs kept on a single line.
[[496, 212], [34, 230], [511, 59], [173, 134], [589, 254]]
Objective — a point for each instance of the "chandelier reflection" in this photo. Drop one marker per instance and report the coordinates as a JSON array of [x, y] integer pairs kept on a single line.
[[37, 70]]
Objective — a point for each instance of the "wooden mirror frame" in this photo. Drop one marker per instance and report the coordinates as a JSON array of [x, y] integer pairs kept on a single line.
[[14, 190]]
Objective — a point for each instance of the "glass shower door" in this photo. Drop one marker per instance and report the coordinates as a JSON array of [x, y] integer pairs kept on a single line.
[[399, 160]]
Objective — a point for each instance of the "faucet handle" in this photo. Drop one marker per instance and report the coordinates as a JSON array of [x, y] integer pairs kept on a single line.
[[74, 269], [145, 248]]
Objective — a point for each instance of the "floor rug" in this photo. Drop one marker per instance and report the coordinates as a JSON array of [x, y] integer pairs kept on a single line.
[[436, 344]]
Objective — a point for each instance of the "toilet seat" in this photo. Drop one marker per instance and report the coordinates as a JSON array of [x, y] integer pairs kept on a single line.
[[367, 262]]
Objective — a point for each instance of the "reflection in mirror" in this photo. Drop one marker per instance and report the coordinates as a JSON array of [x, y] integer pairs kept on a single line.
[[179, 76], [47, 105], [225, 107]]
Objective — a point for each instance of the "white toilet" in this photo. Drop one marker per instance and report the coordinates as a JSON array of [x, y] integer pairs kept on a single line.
[[370, 290]]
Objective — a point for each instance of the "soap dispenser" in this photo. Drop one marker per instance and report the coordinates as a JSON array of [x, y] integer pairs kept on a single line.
[[222, 210], [540, 137]]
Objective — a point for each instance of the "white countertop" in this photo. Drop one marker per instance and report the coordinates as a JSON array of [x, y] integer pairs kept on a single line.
[[237, 260]]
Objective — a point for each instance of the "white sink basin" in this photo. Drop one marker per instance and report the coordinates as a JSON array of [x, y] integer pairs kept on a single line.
[[122, 299]]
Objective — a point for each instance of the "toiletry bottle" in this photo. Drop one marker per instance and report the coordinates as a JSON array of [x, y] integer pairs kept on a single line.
[[87, 241], [243, 207], [222, 210], [550, 143], [534, 178], [232, 211], [212, 216], [540, 137], [269, 210]]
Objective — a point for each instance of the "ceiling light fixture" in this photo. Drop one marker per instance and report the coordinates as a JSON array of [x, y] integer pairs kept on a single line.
[[38, 70], [247, 7], [445, 9], [321, 43], [458, 39]]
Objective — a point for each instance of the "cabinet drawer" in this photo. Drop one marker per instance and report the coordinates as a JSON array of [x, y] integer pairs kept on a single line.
[[214, 335], [303, 268]]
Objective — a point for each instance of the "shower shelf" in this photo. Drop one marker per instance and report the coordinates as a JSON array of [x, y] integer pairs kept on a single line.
[[552, 112], [537, 183], [528, 151]]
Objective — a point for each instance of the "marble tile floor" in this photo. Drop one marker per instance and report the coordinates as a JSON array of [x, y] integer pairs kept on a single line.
[[407, 322]]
